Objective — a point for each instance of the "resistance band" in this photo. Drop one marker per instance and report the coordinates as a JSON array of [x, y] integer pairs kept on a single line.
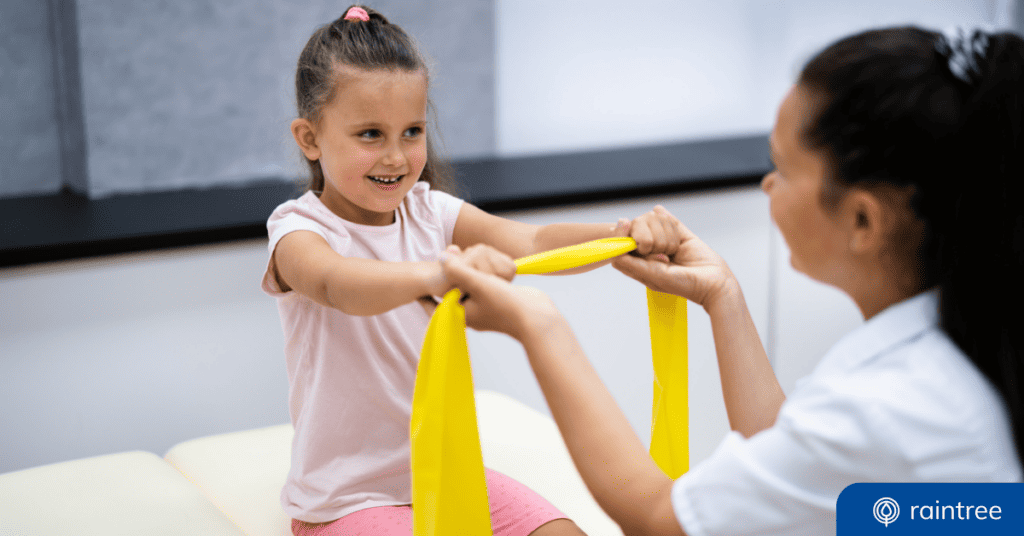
[[449, 492]]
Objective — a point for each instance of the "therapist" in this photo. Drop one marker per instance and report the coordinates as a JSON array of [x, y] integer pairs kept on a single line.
[[899, 171]]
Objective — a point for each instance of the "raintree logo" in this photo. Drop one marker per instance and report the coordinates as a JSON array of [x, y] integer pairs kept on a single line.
[[934, 509], [886, 510]]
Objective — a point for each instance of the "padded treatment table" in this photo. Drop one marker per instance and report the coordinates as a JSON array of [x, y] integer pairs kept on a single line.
[[229, 484]]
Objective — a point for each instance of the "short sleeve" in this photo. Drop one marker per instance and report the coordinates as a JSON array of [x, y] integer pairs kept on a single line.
[[447, 207], [434, 209], [287, 218], [786, 480]]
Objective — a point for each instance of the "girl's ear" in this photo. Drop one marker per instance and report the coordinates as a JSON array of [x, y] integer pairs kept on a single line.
[[305, 136]]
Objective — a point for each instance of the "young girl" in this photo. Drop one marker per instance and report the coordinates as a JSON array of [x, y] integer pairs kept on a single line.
[[900, 180], [353, 263]]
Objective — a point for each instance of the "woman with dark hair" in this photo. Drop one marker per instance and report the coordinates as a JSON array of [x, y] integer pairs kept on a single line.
[[899, 158]]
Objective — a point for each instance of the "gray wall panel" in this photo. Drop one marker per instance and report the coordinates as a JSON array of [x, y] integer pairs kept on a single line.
[[29, 138], [200, 93]]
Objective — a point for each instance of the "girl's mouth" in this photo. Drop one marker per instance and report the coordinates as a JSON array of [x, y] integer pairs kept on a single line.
[[386, 183]]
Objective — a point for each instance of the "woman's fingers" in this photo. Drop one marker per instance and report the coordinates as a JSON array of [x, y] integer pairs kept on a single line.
[[487, 302], [489, 260], [493, 304], [652, 273]]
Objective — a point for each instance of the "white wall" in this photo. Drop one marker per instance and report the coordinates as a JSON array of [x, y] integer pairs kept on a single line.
[[136, 351], [580, 75]]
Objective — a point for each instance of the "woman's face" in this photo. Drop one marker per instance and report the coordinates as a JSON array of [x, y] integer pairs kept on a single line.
[[816, 241]]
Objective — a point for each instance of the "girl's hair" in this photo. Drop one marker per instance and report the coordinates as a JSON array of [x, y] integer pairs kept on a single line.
[[371, 45], [942, 118]]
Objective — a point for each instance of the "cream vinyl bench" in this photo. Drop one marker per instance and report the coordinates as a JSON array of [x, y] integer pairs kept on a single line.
[[229, 484]]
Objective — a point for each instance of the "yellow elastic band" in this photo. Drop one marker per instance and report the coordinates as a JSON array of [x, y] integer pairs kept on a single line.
[[574, 256], [449, 492]]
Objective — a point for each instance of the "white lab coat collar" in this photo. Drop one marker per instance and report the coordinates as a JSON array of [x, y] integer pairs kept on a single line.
[[897, 324]]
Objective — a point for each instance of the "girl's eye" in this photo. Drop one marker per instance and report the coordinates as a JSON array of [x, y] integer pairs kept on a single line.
[[371, 134], [413, 132]]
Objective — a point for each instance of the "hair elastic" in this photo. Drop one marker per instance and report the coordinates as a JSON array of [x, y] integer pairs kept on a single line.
[[963, 50], [357, 13]]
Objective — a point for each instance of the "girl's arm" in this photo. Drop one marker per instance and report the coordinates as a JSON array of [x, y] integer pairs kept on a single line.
[[751, 391], [612, 460], [518, 239], [305, 263]]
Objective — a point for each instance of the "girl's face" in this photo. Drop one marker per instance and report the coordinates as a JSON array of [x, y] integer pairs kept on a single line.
[[372, 143], [816, 240]]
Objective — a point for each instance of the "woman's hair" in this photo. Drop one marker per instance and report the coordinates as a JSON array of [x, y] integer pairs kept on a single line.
[[940, 117], [371, 45]]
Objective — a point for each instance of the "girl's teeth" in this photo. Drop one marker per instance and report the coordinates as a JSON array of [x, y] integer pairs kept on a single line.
[[385, 181]]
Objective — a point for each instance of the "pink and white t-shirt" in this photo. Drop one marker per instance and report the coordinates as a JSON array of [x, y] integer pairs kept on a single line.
[[351, 377]]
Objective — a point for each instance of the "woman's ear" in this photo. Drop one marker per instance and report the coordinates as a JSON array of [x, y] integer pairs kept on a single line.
[[869, 221], [305, 136]]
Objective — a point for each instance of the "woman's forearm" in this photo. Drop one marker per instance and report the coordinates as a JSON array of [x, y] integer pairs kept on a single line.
[[613, 462], [751, 390]]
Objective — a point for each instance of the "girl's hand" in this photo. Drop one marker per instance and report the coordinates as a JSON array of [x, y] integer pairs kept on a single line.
[[479, 257], [675, 261], [492, 303], [656, 233]]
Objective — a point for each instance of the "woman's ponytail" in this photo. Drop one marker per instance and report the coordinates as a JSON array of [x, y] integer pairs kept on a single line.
[[981, 277], [942, 116]]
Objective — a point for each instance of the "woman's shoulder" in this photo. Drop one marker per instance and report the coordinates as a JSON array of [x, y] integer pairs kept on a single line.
[[923, 401], [927, 374]]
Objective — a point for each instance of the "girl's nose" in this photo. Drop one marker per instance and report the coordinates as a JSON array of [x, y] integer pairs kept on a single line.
[[394, 156], [767, 182]]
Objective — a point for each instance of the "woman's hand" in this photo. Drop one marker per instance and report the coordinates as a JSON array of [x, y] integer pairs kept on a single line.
[[694, 271], [491, 303], [478, 257], [670, 258]]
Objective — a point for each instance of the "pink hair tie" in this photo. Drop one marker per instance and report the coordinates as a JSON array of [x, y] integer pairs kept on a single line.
[[357, 13]]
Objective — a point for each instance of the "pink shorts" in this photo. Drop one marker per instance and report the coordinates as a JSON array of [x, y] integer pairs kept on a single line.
[[516, 510]]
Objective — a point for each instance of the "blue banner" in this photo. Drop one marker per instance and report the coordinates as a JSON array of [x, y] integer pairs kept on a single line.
[[934, 509]]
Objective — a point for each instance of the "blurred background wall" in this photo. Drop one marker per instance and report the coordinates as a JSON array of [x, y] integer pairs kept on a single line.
[[110, 97], [605, 73], [140, 351], [170, 95]]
